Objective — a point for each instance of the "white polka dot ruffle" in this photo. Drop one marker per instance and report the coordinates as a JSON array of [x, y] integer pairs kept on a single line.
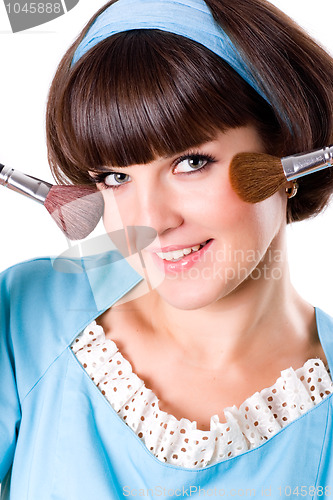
[[179, 442]]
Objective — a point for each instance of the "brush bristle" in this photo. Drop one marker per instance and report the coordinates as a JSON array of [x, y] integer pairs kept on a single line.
[[75, 209], [256, 176]]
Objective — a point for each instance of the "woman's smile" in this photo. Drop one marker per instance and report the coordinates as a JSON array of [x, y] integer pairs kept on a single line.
[[183, 259]]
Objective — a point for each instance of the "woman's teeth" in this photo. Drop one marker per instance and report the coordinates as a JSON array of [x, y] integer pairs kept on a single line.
[[179, 254]]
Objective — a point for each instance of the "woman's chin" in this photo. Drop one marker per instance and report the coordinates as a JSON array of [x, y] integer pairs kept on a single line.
[[188, 291], [189, 296]]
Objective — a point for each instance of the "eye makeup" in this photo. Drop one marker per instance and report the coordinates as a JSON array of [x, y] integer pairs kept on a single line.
[[195, 157]]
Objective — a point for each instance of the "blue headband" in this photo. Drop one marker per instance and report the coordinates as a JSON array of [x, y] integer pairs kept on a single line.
[[189, 18]]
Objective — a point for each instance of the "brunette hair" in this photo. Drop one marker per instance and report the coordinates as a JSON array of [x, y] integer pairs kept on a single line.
[[147, 93]]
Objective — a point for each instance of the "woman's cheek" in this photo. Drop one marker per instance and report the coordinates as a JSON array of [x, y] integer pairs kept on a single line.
[[111, 218], [230, 209]]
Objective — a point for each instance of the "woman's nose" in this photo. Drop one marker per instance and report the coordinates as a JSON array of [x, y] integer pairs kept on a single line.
[[158, 207]]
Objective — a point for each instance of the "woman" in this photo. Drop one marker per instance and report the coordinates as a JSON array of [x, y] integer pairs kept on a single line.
[[210, 375]]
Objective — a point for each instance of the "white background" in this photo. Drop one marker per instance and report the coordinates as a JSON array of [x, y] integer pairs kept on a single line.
[[28, 62]]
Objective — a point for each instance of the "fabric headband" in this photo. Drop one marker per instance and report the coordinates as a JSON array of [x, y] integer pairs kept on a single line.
[[189, 18]]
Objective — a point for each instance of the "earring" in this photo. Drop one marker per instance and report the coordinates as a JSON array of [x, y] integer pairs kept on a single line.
[[292, 191]]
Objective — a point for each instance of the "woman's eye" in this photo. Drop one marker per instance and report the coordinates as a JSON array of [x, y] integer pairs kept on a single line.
[[191, 164], [113, 179]]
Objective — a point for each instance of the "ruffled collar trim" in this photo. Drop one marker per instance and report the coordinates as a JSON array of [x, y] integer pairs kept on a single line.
[[179, 442]]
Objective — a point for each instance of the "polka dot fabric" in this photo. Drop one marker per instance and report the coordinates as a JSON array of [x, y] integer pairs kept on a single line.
[[179, 442]]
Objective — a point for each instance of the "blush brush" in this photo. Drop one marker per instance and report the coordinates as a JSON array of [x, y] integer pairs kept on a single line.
[[75, 209], [256, 176]]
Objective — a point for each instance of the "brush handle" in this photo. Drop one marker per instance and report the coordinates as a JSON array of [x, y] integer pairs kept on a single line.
[[24, 184], [296, 166]]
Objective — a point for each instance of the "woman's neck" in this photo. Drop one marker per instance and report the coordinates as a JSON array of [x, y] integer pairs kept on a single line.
[[260, 316]]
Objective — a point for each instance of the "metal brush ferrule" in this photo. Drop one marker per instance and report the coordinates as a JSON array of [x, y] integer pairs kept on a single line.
[[296, 166], [25, 184]]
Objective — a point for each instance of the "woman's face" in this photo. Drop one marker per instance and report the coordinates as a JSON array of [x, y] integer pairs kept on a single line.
[[188, 200]]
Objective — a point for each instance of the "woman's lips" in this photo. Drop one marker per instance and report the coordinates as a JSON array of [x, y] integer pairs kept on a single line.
[[176, 254], [182, 263]]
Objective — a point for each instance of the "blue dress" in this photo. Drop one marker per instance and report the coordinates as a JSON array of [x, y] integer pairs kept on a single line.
[[60, 439]]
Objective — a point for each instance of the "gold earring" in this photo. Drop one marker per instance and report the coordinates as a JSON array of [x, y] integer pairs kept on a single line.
[[292, 191]]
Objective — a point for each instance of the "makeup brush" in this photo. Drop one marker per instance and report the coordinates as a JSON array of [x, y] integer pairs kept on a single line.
[[256, 176], [75, 209]]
